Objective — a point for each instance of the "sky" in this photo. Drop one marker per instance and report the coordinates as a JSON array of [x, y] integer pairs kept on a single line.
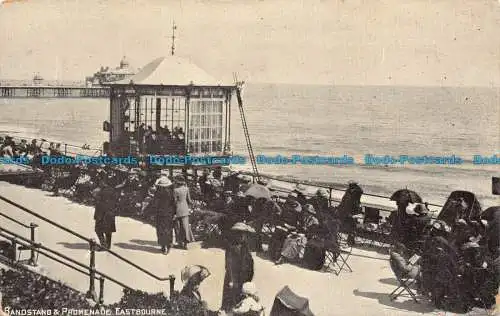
[[339, 42]]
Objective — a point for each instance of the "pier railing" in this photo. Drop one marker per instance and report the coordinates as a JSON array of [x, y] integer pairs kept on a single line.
[[93, 248], [330, 189], [67, 149]]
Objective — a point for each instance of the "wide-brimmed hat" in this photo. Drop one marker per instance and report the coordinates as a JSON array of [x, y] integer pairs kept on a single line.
[[249, 288], [179, 178], [195, 270], [263, 181], [163, 182], [294, 205], [441, 226], [309, 209], [292, 195], [135, 171], [246, 178], [229, 193], [242, 227], [300, 188], [322, 193], [469, 245], [164, 172], [352, 182]]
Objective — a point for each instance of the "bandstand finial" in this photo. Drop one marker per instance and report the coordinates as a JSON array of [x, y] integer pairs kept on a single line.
[[174, 27]]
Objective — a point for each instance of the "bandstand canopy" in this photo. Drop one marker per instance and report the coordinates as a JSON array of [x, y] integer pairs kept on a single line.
[[172, 71]]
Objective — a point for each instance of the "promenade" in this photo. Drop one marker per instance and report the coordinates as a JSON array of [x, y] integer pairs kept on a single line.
[[362, 292]]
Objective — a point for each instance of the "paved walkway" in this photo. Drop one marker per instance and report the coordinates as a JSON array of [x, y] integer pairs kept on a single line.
[[363, 292]]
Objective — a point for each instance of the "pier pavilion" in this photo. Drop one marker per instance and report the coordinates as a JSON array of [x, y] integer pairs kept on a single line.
[[174, 97]]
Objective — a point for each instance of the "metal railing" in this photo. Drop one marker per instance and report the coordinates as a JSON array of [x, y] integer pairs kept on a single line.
[[93, 247], [67, 149], [330, 189], [56, 256], [32, 227]]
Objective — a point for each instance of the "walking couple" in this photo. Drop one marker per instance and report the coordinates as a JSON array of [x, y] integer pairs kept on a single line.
[[172, 206]]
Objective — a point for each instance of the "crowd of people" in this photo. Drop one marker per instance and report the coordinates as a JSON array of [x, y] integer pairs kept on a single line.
[[161, 141], [458, 263], [297, 228]]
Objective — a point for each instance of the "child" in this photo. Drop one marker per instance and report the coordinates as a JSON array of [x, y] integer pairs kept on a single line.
[[249, 305]]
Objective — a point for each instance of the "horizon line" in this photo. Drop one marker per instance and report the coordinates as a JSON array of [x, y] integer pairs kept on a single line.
[[307, 84]]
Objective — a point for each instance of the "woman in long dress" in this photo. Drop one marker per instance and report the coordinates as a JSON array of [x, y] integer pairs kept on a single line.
[[182, 199], [239, 265]]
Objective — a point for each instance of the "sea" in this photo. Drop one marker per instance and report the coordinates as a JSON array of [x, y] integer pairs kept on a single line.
[[326, 121]]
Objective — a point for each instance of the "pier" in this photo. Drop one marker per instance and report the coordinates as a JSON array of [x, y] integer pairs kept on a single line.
[[47, 91]]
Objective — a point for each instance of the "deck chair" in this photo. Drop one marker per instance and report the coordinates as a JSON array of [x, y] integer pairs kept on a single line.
[[407, 275], [372, 216], [337, 254]]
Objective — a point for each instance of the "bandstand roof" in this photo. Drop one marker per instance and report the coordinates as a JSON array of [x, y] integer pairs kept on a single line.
[[171, 71]]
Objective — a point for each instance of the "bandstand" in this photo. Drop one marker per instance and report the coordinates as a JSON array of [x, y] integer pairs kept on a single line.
[[170, 107]]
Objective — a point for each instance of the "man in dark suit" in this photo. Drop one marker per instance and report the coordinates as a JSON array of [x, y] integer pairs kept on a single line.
[[105, 211]]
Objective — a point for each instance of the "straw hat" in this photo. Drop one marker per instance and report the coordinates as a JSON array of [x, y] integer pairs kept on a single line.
[[163, 182], [242, 227], [247, 179], [469, 245], [249, 288], [164, 172], [190, 271], [263, 181], [229, 193], [300, 188], [135, 170], [322, 192]]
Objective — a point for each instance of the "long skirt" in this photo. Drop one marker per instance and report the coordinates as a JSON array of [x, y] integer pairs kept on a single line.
[[164, 231], [183, 233], [106, 224]]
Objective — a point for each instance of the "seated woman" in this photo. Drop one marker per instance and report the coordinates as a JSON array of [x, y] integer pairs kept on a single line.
[[295, 244], [249, 305], [192, 276]]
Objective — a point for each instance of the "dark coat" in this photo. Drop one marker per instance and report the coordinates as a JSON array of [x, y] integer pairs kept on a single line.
[[351, 202], [239, 269], [164, 205], [493, 235], [105, 211]]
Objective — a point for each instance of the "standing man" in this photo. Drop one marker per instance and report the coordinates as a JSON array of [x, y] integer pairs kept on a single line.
[[105, 212]]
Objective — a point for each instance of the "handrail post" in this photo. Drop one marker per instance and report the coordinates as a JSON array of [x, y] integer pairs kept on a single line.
[[32, 260], [330, 197], [101, 291], [14, 249], [91, 292], [172, 284]]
